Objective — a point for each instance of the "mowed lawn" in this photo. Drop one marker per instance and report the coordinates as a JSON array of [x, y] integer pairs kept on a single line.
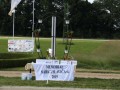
[[92, 54]]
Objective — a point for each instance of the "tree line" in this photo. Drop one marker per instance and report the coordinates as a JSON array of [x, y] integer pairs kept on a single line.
[[100, 19]]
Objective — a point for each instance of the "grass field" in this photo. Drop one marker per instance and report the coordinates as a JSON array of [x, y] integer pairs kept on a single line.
[[77, 83], [97, 54], [90, 54]]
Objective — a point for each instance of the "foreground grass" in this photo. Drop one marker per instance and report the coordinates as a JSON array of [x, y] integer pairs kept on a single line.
[[91, 54], [78, 83]]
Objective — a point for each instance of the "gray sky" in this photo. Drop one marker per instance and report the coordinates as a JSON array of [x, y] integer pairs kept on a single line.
[[91, 1]]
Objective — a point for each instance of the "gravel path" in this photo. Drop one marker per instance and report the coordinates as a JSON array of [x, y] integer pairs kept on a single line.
[[42, 88], [77, 74]]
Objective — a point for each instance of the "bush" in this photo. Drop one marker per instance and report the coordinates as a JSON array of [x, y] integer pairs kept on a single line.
[[7, 63], [15, 55]]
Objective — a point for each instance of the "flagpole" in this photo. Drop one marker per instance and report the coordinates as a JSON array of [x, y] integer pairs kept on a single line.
[[33, 20], [13, 23], [14, 4], [33, 23]]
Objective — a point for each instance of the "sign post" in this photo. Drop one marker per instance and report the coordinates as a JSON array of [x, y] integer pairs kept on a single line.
[[53, 36]]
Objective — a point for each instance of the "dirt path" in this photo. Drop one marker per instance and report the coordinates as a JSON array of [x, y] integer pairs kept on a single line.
[[42, 88], [77, 74], [98, 75]]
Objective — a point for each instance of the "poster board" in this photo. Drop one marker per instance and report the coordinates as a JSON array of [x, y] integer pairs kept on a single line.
[[45, 61], [20, 45]]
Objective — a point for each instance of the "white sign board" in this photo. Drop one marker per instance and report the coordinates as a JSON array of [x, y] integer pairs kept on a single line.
[[44, 61], [20, 45], [70, 62], [56, 72], [65, 62], [50, 61]]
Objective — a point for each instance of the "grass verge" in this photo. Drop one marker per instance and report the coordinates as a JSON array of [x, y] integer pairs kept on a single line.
[[90, 54], [77, 83]]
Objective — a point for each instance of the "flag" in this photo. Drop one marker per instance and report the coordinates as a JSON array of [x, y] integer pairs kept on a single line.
[[14, 4]]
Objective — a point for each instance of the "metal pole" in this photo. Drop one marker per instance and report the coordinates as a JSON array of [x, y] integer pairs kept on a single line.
[[54, 35], [13, 23], [33, 20], [64, 21]]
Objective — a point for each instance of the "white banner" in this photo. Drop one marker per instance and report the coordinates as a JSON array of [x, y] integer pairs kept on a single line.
[[56, 72], [20, 45], [14, 4]]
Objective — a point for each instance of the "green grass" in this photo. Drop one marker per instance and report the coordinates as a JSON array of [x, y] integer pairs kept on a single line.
[[3, 45], [91, 54], [77, 83], [106, 56]]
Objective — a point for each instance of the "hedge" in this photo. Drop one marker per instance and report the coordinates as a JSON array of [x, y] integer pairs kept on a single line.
[[9, 63]]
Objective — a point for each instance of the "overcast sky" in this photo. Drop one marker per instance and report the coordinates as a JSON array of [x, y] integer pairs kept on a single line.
[[91, 1]]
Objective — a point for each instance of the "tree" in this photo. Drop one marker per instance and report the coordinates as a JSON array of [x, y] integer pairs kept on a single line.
[[97, 20], [112, 8], [82, 18], [4, 20]]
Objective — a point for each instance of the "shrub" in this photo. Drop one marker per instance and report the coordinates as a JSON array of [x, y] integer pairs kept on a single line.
[[7, 63]]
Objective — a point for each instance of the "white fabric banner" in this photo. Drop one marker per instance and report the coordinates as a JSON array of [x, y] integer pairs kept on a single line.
[[20, 45], [14, 4], [56, 72]]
